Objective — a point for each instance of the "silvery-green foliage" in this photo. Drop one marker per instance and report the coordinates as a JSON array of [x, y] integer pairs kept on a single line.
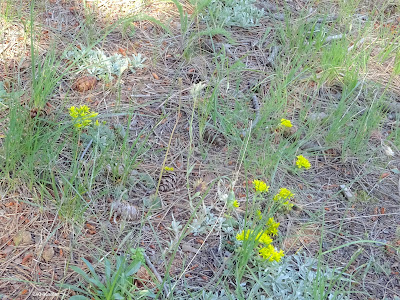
[[137, 61], [101, 135], [241, 13], [99, 64], [219, 295], [205, 221], [296, 277]]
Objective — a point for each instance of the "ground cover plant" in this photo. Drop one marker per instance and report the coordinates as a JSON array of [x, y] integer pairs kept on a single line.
[[199, 149]]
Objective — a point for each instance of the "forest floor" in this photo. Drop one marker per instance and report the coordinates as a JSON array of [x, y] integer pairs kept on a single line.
[[147, 198]]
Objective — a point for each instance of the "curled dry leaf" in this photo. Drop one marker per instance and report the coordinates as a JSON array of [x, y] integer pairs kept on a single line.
[[26, 258], [143, 278], [23, 237], [388, 150], [287, 132], [155, 76], [85, 83], [125, 210], [48, 254]]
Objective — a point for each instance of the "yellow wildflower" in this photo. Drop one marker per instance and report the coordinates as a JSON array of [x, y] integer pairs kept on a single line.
[[259, 214], [288, 205], [243, 236], [272, 227], [260, 186], [302, 162], [283, 193], [168, 168], [82, 116], [286, 123], [269, 253], [262, 237], [235, 204]]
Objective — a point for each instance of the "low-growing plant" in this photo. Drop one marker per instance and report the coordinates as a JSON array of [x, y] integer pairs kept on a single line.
[[117, 281]]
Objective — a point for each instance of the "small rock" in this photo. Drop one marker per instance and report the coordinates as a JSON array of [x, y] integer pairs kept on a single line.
[[317, 116], [188, 248], [8, 249], [48, 254], [346, 192], [23, 237]]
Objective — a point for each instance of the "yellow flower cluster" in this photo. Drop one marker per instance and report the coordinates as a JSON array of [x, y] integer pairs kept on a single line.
[[302, 162], [269, 253], [168, 168], [261, 237], [272, 227], [82, 116], [235, 204], [286, 123], [283, 196], [260, 186]]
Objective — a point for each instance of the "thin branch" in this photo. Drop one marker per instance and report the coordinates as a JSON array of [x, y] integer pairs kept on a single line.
[[256, 106], [155, 272]]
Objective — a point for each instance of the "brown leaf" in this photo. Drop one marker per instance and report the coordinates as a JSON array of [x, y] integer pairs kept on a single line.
[[48, 254], [384, 175], [85, 83], [122, 51], [155, 76], [143, 278], [26, 258]]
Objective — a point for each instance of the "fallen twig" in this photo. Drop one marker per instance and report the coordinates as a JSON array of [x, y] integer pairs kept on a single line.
[[356, 44], [272, 56], [155, 272], [256, 106], [333, 37], [86, 149]]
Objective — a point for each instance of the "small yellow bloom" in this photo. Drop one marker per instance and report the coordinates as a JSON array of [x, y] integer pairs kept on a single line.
[[243, 236], [260, 186], [235, 204], [302, 162], [269, 253], [264, 238], [168, 168], [259, 214], [261, 237], [82, 116], [289, 205], [286, 123], [97, 123], [283, 193], [272, 227]]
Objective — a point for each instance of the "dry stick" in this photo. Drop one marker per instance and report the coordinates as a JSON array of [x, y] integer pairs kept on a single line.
[[86, 149], [256, 106], [333, 37], [154, 270], [356, 44], [272, 56]]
